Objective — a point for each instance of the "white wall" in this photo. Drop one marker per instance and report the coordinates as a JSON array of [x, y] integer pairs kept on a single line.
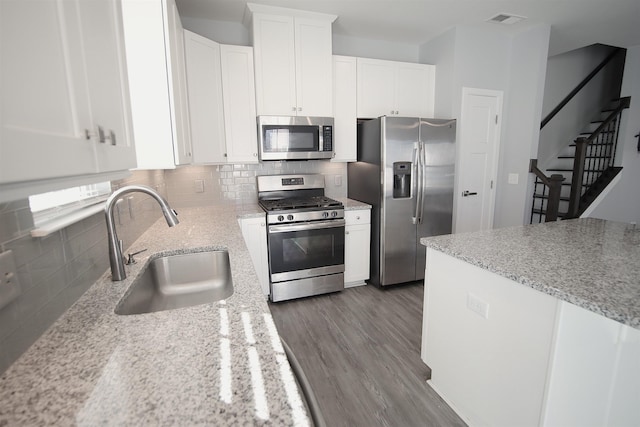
[[564, 72], [440, 52], [492, 57], [378, 49], [521, 125], [235, 33], [622, 203]]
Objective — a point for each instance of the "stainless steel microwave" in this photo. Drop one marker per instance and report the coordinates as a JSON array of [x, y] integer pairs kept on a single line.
[[295, 138]]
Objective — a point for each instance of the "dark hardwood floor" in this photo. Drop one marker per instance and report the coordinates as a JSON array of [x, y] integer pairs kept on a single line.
[[360, 350]]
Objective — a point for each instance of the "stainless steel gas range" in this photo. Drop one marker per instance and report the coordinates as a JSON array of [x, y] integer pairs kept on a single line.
[[305, 236]]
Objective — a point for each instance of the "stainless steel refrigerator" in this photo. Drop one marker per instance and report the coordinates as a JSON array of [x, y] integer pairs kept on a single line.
[[405, 171]]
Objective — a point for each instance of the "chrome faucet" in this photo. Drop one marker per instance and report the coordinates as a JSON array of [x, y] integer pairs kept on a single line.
[[116, 259]]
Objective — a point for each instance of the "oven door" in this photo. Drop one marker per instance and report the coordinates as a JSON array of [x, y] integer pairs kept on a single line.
[[303, 250]]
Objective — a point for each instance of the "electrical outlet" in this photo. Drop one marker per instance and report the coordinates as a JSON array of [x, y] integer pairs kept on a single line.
[[338, 180], [9, 284], [199, 185], [478, 306]]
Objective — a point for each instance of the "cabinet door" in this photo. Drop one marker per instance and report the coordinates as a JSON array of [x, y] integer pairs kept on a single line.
[[274, 49], [376, 88], [239, 104], [44, 90], [178, 85], [356, 253], [254, 233], [414, 90], [344, 109], [106, 70], [356, 246], [314, 87], [204, 85], [148, 72]]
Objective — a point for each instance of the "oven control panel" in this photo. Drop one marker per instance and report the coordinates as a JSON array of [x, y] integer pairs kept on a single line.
[[280, 218], [292, 181]]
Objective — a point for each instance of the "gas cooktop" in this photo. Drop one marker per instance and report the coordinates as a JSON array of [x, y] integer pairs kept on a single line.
[[288, 203]]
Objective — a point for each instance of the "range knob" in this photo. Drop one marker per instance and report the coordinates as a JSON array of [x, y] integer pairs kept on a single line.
[[334, 214], [280, 218], [290, 217], [325, 214]]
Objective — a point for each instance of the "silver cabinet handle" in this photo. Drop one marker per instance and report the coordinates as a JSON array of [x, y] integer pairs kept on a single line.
[[467, 193]]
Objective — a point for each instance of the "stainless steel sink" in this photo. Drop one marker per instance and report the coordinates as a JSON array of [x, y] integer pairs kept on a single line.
[[178, 281]]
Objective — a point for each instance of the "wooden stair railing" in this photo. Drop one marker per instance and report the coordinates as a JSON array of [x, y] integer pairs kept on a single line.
[[554, 182]]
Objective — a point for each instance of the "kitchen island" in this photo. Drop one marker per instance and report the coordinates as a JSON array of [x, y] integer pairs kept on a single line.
[[536, 325], [213, 364]]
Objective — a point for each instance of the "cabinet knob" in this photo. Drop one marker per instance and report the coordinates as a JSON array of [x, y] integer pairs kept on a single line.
[[397, 112], [392, 112], [346, 232], [255, 154], [293, 108], [299, 108], [357, 217]]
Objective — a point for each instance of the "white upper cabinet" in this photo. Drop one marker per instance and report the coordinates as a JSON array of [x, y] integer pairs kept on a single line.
[[292, 51], [344, 109], [65, 107], [204, 88], [239, 104], [395, 89], [222, 107], [155, 58]]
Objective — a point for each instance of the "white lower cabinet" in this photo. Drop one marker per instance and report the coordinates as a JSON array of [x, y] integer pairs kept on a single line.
[[254, 232], [356, 247], [594, 378], [504, 354]]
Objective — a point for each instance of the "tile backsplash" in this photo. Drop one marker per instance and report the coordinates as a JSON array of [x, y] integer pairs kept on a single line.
[[223, 184], [56, 270]]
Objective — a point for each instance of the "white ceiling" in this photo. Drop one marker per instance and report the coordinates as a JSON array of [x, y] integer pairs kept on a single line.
[[574, 23]]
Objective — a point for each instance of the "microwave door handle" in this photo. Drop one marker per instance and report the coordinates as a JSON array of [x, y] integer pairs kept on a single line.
[[285, 228]]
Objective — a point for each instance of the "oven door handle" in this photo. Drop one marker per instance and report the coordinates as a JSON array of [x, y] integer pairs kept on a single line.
[[285, 228]]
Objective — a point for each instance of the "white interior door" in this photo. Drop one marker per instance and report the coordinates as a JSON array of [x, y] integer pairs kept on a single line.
[[478, 150]]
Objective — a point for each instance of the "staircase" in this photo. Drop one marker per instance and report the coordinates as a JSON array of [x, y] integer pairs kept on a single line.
[[583, 169]]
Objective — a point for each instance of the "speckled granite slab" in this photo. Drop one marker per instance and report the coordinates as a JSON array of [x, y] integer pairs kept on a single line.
[[592, 263], [213, 364]]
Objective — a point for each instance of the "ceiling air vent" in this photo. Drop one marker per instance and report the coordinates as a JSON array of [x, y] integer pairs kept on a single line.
[[506, 19]]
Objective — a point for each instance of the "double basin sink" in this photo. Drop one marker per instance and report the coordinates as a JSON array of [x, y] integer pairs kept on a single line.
[[178, 281]]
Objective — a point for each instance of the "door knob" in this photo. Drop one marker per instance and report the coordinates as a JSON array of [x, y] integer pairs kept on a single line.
[[467, 193]]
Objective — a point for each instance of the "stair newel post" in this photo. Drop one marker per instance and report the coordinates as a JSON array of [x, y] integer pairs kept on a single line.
[[553, 203], [577, 177]]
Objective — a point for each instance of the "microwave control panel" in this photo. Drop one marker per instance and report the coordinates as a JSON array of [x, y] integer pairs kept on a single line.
[[327, 143]]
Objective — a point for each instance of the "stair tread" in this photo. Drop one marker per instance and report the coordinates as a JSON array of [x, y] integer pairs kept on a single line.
[[546, 196]]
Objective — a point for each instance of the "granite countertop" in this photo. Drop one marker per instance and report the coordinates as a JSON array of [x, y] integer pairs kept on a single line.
[[214, 364], [589, 262], [352, 205]]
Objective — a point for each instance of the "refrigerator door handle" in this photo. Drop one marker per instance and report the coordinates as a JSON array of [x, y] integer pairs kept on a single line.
[[415, 194], [419, 179], [421, 164]]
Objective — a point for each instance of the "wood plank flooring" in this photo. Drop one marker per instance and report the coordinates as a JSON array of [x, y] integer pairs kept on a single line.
[[360, 350]]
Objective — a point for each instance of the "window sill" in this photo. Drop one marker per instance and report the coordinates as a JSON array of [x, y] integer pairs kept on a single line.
[[50, 227]]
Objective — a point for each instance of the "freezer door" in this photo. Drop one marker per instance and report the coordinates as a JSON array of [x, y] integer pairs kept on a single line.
[[399, 143], [437, 137]]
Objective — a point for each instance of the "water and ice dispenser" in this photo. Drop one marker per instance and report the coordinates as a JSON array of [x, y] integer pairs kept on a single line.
[[401, 180]]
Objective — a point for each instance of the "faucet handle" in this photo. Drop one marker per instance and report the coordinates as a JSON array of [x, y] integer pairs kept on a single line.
[[130, 259]]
